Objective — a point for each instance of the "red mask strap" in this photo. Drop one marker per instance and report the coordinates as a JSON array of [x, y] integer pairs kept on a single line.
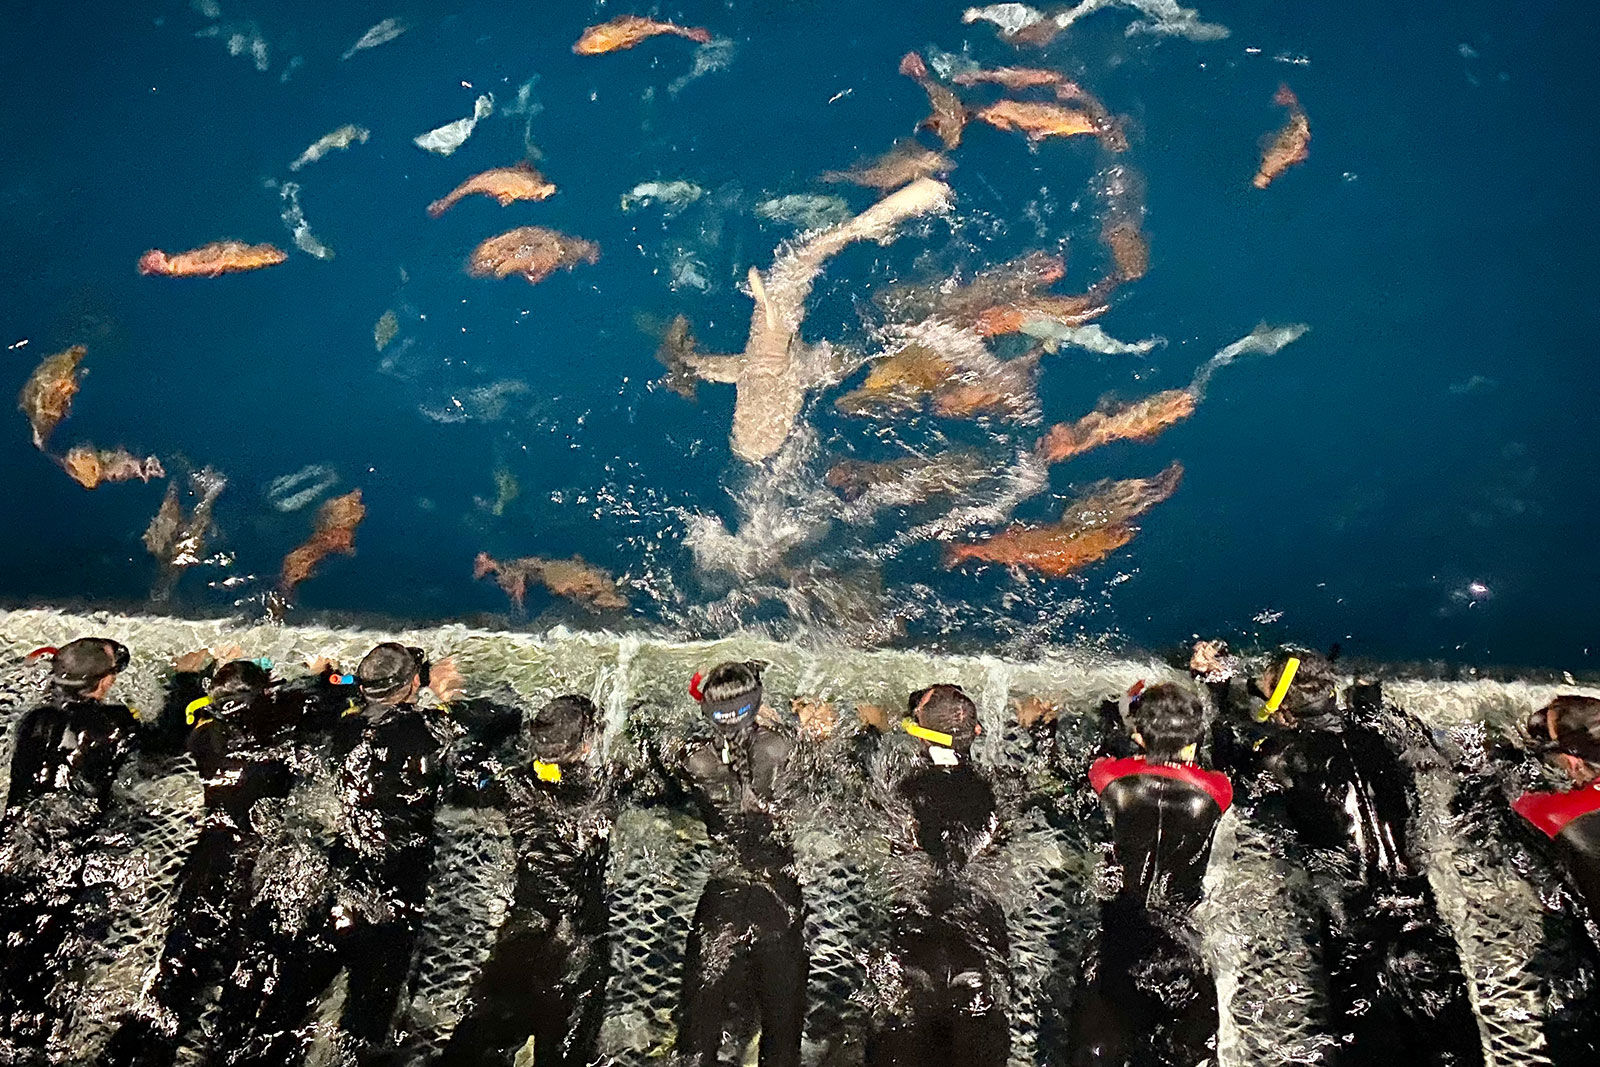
[[1136, 690], [47, 650], [694, 688]]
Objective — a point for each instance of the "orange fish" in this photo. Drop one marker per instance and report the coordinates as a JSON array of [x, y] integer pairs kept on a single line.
[[1292, 144], [91, 467], [335, 531], [505, 184], [1107, 126], [904, 163], [949, 115], [1038, 120], [1013, 78], [209, 261], [1012, 280], [1090, 529], [1141, 420], [531, 251], [46, 396], [625, 31], [1067, 310], [571, 578]]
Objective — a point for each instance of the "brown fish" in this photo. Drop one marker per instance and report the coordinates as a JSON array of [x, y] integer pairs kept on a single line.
[[531, 251], [1107, 126], [46, 396], [902, 379], [1031, 710], [1067, 310], [1038, 120], [905, 162], [91, 467], [1141, 420], [505, 184], [676, 352], [176, 540], [212, 260], [571, 578], [949, 115], [909, 480], [1014, 79], [625, 31], [1292, 144], [335, 531], [1000, 284], [1130, 249], [1092, 527], [953, 370]]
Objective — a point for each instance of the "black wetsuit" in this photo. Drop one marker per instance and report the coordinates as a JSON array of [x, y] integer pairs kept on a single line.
[[949, 941], [66, 756], [546, 976], [1145, 997], [241, 761], [395, 763], [748, 940], [1395, 984]]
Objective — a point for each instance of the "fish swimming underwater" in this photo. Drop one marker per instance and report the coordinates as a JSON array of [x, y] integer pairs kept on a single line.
[[1090, 529], [949, 115], [1075, 310], [212, 260], [531, 251], [176, 540], [335, 531], [908, 480], [1037, 120], [382, 33], [950, 368], [625, 31], [962, 304], [505, 184], [343, 137], [1014, 79], [46, 396], [902, 164], [572, 578], [1141, 420], [91, 467], [777, 369], [1291, 145], [444, 140]]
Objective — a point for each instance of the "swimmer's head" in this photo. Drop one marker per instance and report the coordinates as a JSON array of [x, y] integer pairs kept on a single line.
[[236, 687], [1166, 721], [730, 695], [86, 667], [1569, 728], [1313, 684], [391, 673], [560, 731], [946, 710]]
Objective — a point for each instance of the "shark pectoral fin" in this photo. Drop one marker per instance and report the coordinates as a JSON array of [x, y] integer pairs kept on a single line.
[[723, 369], [758, 290]]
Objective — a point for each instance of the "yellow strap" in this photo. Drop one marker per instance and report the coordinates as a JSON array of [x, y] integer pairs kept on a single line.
[[194, 706], [933, 737], [1284, 681], [547, 772]]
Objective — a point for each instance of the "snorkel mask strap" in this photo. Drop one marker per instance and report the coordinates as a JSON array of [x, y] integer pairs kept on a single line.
[[1270, 708], [694, 688]]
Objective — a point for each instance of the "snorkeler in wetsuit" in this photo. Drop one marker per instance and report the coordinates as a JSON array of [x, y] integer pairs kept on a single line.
[[747, 945], [545, 977], [1395, 982], [66, 755], [394, 764], [246, 728], [949, 940], [1145, 996]]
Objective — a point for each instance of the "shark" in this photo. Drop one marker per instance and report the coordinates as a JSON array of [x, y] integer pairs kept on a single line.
[[776, 370]]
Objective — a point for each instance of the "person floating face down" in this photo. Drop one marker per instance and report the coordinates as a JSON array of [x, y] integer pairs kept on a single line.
[[393, 764], [245, 743], [1145, 996], [546, 976], [948, 998], [747, 944], [66, 755], [1395, 983]]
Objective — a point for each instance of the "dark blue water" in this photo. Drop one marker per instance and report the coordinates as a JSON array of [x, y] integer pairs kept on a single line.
[[1435, 429]]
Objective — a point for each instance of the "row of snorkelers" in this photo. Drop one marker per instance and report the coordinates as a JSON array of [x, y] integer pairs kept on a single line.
[[273, 910]]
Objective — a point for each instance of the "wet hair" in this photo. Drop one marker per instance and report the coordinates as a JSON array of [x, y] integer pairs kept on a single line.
[[1168, 717], [1314, 682], [947, 709], [84, 663], [387, 670], [237, 685], [1576, 721], [731, 692], [557, 731]]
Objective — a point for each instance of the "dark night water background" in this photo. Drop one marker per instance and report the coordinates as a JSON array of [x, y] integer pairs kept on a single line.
[[1435, 429]]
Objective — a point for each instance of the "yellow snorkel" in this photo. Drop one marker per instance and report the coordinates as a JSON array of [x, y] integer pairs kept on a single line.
[[1270, 708], [195, 706], [933, 737], [547, 772]]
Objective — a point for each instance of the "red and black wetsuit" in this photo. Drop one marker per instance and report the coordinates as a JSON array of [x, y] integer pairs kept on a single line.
[[1572, 821], [1145, 995]]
